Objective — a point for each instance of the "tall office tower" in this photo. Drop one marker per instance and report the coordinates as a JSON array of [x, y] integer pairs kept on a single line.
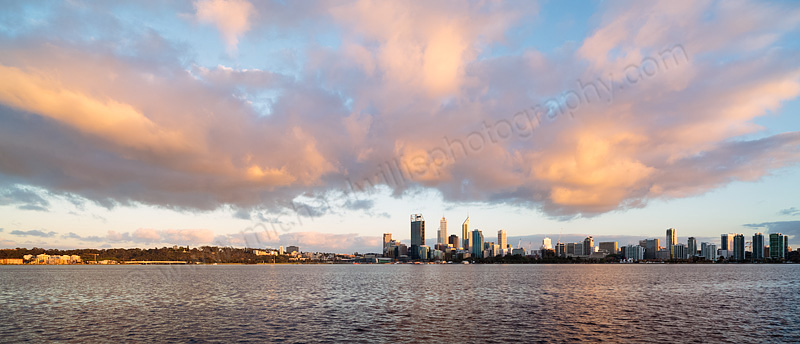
[[442, 237], [477, 243], [672, 237], [679, 251], [387, 240], [502, 239], [561, 250], [708, 251], [692, 245], [650, 248], [547, 244], [726, 242], [466, 236], [588, 246], [571, 249], [452, 240], [634, 252], [609, 246], [786, 246], [738, 247], [758, 247], [417, 234], [776, 246], [579, 248]]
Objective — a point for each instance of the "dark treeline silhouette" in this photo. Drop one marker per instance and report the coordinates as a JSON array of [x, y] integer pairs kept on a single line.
[[203, 254]]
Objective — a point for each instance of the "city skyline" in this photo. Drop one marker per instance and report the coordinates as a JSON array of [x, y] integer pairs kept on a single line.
[[324, 124]]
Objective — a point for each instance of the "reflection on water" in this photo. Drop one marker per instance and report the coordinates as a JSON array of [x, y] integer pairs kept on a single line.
[[382, 303]]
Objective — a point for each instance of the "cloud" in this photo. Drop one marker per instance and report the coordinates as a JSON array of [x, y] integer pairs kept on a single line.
[[231, 17], [412, 96], [24, 198], [791, 228], [790, 211], [148, 236], [34, 232]]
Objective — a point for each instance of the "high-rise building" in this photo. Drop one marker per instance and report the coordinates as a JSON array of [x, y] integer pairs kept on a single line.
[[588, 246], [691, 244], [417, 235], [570, 249], [758, 247], [634, 252], [776, 246], [466, 235], [387, 240], [672, 237], [502, 239], [726, 242], [786, 247], [561, 250], [442, 235], [738, 247], [453, 241], [708, 251], [650, 248], [547, 244], [579, 251], [477, 243], [609, 246], [679, 251]]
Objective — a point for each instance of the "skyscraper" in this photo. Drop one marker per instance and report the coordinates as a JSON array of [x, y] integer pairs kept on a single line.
[[758, 247], [502, 239], [692, 245], [650, 248], [387, 240], [453, 241], [442, 237], [588, 245], [466, 235], [609, 246], [477, 243], [738, 247], [672, 240], [547, 244], [776, 243], [726, 244], [708, 251], [417, 234]]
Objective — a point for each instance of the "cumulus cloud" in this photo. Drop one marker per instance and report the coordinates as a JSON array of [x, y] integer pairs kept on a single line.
[[658, 102], [231, 17]]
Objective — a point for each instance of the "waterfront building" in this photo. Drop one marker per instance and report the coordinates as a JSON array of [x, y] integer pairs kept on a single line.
[[679, 251], [502, 238], [570, 251], [663, 254], [561, 250], [518, 251], [442, 235], [758, 247], [547, 244], [726, 244], [466, 235], [579, 250], [610, 247], [776, 246], [588, 246], [417, 235], [387, 241], [691, 245], [738, 247], [634, 252], [477, 243], [292, 249], [650, 248], [708, 251], [453, 241], [672, 239]]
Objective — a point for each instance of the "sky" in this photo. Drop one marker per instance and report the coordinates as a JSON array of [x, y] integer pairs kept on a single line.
[[325, 124]]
